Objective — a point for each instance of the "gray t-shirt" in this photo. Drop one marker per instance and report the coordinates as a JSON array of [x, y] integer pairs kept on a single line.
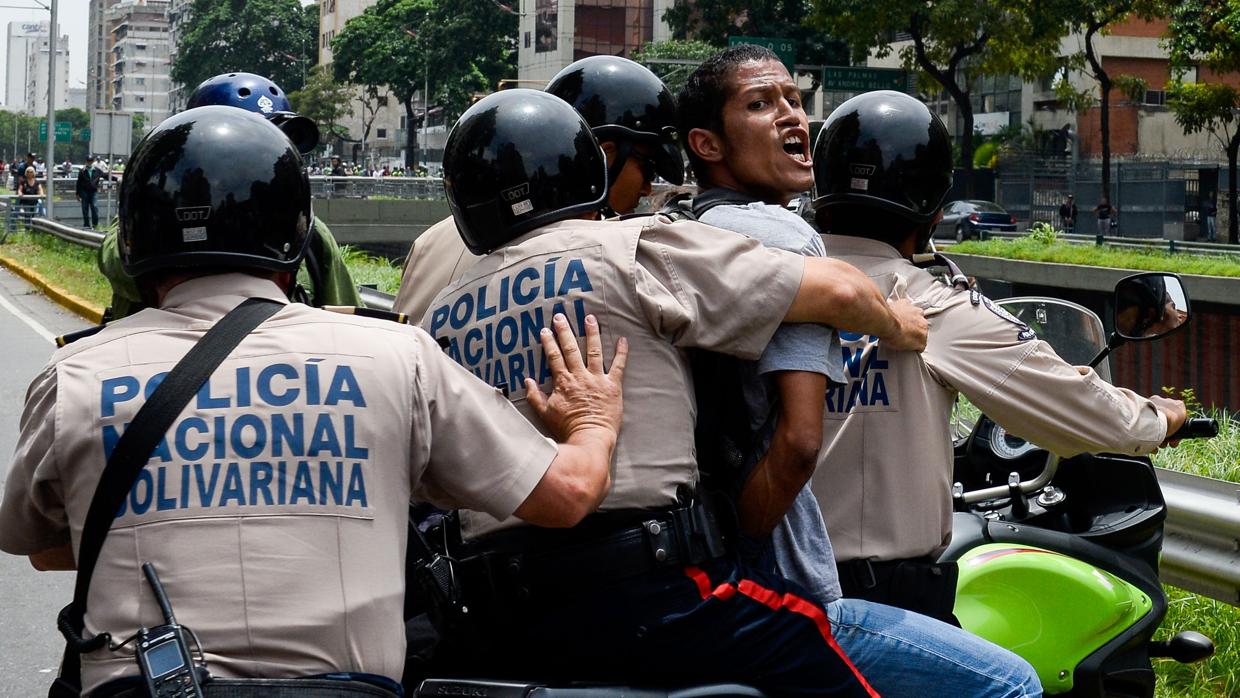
[[799, 547]]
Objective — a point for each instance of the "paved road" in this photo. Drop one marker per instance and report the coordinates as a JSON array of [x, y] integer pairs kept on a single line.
[[30, 646]]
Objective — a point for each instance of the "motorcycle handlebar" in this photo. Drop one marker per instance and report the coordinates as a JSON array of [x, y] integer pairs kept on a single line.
[[1196, 428]]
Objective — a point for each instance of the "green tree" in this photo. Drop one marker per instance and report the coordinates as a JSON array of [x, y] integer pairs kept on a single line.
[[324, 101], [477, 41], [691, 51], [380, 47], [1092, 18], [713, 22], [274, 38], [76, 149], [394, 43], [954, 42], [19, 134], [1206, 33]]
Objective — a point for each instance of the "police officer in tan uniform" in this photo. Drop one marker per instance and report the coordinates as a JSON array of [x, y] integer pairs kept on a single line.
[[276, 508], [650, 578], [882, 168], [633, 115]]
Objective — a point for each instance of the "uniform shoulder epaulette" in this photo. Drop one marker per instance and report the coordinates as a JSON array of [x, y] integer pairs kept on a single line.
[[70, 338], [369, 312]]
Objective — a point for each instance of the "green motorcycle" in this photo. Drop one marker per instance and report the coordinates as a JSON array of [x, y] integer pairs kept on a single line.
[[1060, 564]]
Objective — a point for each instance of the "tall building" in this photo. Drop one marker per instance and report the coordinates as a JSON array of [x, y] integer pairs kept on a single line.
[[37, 53], [178, 23], [140, 81], [385, 141], [554, 33], [99, 56], [23, 41], [1142, 126]]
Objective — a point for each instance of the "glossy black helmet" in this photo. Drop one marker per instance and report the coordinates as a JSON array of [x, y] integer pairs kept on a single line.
[[887, 150], [518, 160], [214, 186], [624, 101]]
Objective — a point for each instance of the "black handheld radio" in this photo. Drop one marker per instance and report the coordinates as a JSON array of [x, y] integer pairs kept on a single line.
[[163, 652]]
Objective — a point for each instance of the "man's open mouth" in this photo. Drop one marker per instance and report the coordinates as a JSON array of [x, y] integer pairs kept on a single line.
[[794, 146]]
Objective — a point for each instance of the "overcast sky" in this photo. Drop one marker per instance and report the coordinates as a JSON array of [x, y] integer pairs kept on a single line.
[[72, 20]]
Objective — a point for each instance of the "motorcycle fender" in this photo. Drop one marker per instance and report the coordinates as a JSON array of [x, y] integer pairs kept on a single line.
[[1049, 608]]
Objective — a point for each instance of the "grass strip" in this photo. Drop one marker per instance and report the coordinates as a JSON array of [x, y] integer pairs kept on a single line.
[[70, 267], [367, 269], [1217, 676], [1034, 250]]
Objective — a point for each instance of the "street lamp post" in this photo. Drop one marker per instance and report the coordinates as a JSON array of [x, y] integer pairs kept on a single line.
[[51, 112]]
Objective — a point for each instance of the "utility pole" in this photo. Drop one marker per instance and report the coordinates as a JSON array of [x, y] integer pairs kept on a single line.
[[51, 112]]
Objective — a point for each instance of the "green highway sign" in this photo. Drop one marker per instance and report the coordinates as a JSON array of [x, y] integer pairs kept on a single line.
[[84, 135], [64, 131], [786, 49], [854, 79]]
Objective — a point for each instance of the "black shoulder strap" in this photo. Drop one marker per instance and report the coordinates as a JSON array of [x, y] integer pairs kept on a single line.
[[685, 207], [131, 454]]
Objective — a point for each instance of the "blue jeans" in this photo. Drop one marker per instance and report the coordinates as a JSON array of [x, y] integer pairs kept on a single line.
[[905, 654]]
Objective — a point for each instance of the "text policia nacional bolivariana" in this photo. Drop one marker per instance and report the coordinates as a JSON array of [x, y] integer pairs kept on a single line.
[[284, 436]]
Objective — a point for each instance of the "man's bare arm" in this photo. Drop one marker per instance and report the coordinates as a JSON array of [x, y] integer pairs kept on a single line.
[[788, 464], [584, 413], [54, 559], [838, 294]]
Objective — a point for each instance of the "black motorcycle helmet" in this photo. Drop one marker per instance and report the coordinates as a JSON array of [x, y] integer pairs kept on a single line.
[[885, 150], [625, 102], [518, 160], [214, 186]]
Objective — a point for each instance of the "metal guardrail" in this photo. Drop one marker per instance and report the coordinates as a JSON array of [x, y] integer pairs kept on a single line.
[[1177, 246], [325, 187], [77, 236], [376, 299], [1201, 552]]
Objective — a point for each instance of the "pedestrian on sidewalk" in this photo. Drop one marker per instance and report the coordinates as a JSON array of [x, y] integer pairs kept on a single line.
[[1105, 212], [87, 190], [1067, 215], [1210, 213]]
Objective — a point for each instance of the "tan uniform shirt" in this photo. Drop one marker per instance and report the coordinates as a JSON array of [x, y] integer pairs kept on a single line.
[[885, 470], [665, 286], [275, 510], [437, 258]]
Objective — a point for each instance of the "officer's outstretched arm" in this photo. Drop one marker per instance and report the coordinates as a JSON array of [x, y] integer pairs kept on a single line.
[[838, 294], [583, 412]]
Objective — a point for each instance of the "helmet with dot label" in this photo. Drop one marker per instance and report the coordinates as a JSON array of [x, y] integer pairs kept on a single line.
[[218, 187], [887, 150], [518, 160]]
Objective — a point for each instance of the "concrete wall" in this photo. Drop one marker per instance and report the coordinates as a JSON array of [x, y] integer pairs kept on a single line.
[[386, 227]]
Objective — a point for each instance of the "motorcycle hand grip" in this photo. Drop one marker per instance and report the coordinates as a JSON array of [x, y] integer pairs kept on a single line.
[[1196, 428]]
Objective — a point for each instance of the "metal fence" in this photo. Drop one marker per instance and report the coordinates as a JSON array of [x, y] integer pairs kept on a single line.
[[1150, 244], [322, 187], [1152, 199]]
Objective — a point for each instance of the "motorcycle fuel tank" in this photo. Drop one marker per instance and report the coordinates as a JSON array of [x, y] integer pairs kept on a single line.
[[1049, 608]]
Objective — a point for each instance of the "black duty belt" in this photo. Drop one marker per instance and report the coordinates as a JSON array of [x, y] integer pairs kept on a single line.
[[527, 563]]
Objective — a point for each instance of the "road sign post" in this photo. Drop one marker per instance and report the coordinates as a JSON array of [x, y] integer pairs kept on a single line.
[[786, 49], [860, 79], [64, 131]]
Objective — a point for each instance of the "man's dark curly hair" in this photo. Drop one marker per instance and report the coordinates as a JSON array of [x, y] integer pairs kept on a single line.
[[700, 103]]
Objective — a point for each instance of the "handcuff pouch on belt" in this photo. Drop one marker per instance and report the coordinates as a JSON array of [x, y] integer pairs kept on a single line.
[[509, 571]]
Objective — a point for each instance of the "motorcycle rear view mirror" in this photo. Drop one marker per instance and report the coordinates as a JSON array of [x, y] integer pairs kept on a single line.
[[1150, 305]]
